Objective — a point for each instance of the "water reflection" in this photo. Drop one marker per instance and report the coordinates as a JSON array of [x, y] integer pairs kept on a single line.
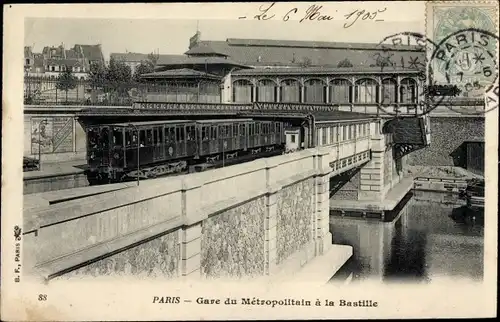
[[429, 239]]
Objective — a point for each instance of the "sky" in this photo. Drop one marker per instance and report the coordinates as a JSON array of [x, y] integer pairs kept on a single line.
[[171, 35]]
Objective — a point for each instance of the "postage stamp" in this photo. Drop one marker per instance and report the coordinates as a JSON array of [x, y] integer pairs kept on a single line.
[[466, 56], [275, 160]]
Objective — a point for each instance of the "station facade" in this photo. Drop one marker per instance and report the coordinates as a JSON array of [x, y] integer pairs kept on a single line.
[[256, 70]]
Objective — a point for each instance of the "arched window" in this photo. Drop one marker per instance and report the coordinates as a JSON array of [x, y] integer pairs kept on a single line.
[[266, 91], [389, 91], [289, 91], [340, 91], [314, 91], [366, 91], [408, 91], [242, 91]]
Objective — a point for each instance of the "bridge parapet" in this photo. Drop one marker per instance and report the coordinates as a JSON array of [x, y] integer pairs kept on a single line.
[[256, 218]]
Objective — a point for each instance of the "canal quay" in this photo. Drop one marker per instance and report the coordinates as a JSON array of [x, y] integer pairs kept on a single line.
[[228, 162]]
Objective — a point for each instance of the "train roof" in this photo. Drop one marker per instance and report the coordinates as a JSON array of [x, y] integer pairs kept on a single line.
[[333, 116], [223, 120], [145, 123]]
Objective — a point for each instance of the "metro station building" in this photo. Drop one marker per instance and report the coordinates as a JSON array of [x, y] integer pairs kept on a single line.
[[307, 72]]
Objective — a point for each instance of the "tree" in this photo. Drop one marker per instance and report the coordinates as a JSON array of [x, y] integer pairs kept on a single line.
[[66, 81], [144, 68], [118, 75], [97, 75], [345, 63], [118, 79], [153, 58]]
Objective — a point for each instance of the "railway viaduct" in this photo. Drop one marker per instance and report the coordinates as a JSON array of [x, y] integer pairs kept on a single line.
[[267, 218]]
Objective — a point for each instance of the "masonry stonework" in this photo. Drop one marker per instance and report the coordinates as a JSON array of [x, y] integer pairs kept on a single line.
[[448, 136], [294, 218], [232, 242], [159, 257]]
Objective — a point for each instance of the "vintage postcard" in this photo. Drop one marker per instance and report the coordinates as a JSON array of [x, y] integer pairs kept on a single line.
[[308, 160]]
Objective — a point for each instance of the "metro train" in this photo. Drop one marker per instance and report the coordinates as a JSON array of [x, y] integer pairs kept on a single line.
[[149, 149]]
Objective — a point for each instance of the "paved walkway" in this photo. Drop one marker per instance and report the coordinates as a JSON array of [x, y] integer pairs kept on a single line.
[[57, 168], [391, 200]]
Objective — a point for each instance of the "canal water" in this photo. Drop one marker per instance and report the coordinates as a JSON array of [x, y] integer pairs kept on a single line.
[[432, 236]]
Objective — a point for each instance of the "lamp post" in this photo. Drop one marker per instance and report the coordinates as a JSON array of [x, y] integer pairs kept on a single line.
[[44, 121], [138, 147]]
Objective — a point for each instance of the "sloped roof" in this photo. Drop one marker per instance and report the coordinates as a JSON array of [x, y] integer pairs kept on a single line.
[[170, 59], [71, 54], [28, 52], [138, 57], [204, 49], [190, 61], [258, 52], [180, 73], [322, 70], [64, 62], [91, 52], [59, 51], [129, 57]]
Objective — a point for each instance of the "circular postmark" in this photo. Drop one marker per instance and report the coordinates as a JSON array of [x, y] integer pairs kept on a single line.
[[415, 74], [467, 59]]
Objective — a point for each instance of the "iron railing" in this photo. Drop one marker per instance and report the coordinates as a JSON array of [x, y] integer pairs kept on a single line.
[[44, 91]]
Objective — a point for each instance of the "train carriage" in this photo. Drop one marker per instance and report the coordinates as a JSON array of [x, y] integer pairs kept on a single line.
[[149, 149], [218, 136]]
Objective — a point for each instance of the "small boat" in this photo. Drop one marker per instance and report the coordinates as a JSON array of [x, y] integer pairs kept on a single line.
[[474, 194]]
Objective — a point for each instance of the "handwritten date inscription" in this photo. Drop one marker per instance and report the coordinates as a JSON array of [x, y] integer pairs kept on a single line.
[[315, 13]]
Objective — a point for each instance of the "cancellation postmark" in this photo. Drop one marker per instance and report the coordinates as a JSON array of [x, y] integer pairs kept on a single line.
[[466, 53], [414, 92]]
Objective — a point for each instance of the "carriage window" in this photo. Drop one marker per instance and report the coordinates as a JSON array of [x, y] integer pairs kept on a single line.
[[149, 136], [117, 136], [160, 135], [142, 137], [344, 132], [179, 134], [155, 136], [293, 138], [228, 131], [324, 138], [103, 138], [277, 126], [172, 134], [190, 133], [204, 134], [257, 131], [235, 130], [128, 137], [167, 135], [214, 133], [222, 131]]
